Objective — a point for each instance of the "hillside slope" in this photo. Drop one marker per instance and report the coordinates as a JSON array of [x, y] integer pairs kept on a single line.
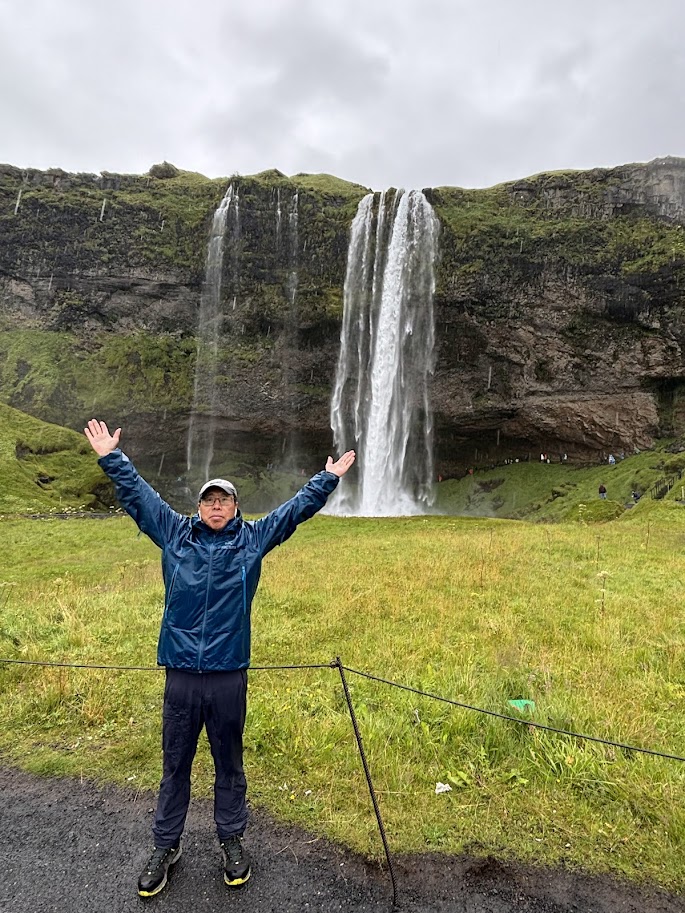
[[47, 468]]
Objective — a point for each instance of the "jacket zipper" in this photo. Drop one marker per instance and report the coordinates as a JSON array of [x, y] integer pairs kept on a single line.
[[204, 620], [242, 569]]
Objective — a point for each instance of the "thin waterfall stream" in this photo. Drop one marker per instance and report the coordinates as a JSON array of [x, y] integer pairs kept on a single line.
[[202, 425]]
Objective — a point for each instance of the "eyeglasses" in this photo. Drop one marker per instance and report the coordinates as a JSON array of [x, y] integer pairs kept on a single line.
[[223, 501]]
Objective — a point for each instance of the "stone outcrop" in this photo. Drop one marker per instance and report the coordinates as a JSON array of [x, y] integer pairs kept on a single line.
[[559, 309], [656, 188]]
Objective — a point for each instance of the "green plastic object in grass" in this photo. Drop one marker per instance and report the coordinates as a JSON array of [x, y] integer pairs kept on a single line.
[[521, 704]]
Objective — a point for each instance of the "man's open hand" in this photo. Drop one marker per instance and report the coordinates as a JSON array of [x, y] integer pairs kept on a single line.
[[100, 439], [340, 467]]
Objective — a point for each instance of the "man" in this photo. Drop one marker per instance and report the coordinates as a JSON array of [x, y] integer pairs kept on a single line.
[[211, 564]]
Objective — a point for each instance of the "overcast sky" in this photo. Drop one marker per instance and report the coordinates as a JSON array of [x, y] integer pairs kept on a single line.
[[409, 93]]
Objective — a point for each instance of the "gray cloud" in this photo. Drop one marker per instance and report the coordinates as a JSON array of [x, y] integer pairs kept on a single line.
[[406, 93]]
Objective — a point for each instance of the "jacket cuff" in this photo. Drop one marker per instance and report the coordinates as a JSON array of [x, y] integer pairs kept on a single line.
[[112, 459]]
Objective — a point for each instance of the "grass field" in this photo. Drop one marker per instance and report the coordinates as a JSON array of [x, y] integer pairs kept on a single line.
[[562, 491], [585, 620]]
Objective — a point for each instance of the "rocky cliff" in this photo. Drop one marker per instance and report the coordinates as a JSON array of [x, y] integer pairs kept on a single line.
[[561, 298], [559, 306]]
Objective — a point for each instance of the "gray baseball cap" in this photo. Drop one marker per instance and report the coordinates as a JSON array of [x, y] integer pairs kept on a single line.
[[223, 484]]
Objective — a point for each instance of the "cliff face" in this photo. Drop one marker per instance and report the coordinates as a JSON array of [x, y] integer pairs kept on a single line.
[[561, 301], [100, 284], [559, 309]]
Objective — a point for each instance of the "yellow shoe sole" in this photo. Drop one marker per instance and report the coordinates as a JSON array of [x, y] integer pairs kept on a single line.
[[236, 882], [156, 890], [163, 883]]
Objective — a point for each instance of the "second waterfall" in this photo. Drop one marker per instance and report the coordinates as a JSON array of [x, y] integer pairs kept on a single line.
[[380, 405]]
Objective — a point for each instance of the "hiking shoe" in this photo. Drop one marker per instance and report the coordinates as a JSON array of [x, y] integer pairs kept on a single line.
[[236, 861], [154, 876]]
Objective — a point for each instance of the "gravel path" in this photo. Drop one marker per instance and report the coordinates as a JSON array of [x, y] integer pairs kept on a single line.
[[68, 846]]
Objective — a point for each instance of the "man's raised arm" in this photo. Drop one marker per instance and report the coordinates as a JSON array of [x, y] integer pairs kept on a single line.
[[151, 512], [280, 524]]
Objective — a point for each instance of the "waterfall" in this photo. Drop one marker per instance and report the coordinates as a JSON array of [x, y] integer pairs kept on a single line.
[[278, 219], [200, 446], [289, 338], [294, 240], [380, 404]]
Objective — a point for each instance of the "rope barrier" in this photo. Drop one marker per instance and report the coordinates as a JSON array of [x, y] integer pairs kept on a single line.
[[35, 662], [334, 664], [513, 719]]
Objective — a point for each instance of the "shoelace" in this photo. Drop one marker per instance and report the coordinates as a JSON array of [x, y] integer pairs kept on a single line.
[[157, 858], [233, 849]]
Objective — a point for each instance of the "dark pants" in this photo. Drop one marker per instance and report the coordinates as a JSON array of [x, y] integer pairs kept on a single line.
[[218, 701]]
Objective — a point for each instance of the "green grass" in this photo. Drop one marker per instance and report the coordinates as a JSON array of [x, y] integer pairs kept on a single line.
[[330, 185], [559, 491], [46, 467], [585, 621]]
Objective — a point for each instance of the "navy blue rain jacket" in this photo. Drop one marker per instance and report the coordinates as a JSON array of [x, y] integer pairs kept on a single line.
[[210, 577]]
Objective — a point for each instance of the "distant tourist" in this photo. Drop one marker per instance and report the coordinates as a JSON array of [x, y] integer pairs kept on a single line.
[[612, 460], [636, 496], [602, 492], [211, 564]]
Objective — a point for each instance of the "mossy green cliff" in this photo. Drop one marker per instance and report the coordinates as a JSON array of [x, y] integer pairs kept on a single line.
[[45, 468], [559, 308]]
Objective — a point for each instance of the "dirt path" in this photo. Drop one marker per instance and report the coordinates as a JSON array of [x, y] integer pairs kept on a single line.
[[68, 846]]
